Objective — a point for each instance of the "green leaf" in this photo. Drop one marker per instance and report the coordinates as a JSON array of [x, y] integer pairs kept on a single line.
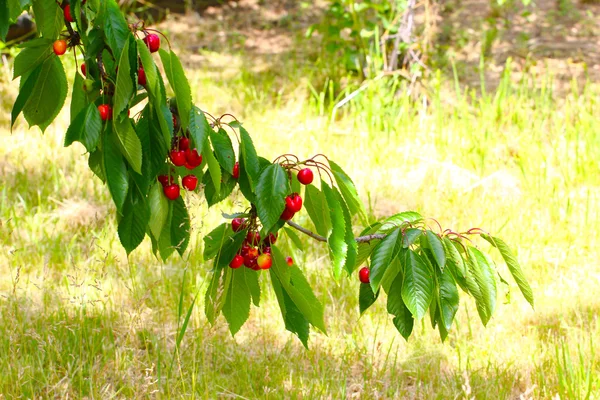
[[86, 128], [483, 274], [410, 236], [214, 168], [25, 93], [223, 149], [129, 143], [382, 256], [96, 164], [236, 309], [448, 299], [417, 287], [513, 266], [49, 18], [348, 191], [32, 56], [180, 226], [392, 272], [295, 321], [253, 285], [199, 128], [115, 169], [403, 319], [270, 195], [4, 19], [179, 83], [216, 292], [248, 154], [315, 204], [294, 238], [164, 241], [153, 85], [159, 209], [51, 84], [79, 99], [338, 248], [132, 227], [456, 264], [227, 186], [366, 297], [400, 219], [124, 87], [244, 183], [115, 26], [352, 254], [215, 240], [437, 248]]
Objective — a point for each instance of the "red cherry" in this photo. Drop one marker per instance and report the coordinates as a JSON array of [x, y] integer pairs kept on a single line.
[[141, 76], [287, 214], [237, 261], [253, 238], [105, 112], [153, 42], [252, 252], [236, 170], [83, 70], [178, 157], [193, 158], [244, 250], [363, 275], [250, 258], [271, 239], [184, 143], [305, 176], [171, 191], [289, 261], [190, 182], [293, 202], [59, 47], [237, 224], [165, 180], [67, 13], [267, 249], [264, 261]]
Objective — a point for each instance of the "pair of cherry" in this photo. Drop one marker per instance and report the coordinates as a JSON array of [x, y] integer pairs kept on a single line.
[[293, 204], [182, 155]]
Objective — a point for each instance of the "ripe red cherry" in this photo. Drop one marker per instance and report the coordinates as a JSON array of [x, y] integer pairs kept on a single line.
[[178, 157], [363, 275], [271, 239], [237, 224], [105, 112], [184, 143], [193, 158], [236, 170], [267, 249], [289, 261], [171, 191], [153, 42], [166, 180], [293, 202], [253, 238], [141, 76], [287, 214], [264, 261], [237, 261], [67, 13], [59, 47], [305, 176], [189, 182], [83, 70]]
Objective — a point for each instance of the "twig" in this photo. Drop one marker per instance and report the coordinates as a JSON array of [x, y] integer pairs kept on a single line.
[[360, 239]]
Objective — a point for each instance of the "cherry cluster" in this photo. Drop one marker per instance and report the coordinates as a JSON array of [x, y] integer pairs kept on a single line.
[[255, 252]]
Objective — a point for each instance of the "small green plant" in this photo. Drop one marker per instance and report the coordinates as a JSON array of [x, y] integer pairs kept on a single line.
[[145, 159]]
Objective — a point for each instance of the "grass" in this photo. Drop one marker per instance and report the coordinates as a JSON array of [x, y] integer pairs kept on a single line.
[[80, 320]]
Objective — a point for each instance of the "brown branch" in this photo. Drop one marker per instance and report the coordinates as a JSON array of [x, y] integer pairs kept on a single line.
[[360, 239]]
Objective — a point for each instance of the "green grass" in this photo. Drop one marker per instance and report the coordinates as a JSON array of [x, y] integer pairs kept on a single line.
[[79, 319]]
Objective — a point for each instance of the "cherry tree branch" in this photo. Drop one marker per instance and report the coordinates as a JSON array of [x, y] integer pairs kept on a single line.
[[360, 239]]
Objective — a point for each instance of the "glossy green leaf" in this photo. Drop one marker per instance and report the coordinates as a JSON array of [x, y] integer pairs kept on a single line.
[[352, 252], [25, 92], [417, 287], [338, 248], [403, 319], [236, 308], [32, 56], [513, 266], [437, 249], [86, 128], [49, 18], [366, 297], [216, 293], [115, 169], [448, 299], [271, 190], [295, 321], [115, 26], [124, 87], [129, 143], [485, 276], [165, 246], [215, 240], [410, 236], [159, 209], [79, 99], [294, 238], [315, 204], [51, 84], [214, 169], [348, 191], [180, 226], [253, 285], [223, 149], [199, 128], [179, 83], [4, 19], [132, 227], [455, 262], [248, 153], [227, 186], [400, 219], [382, 256]]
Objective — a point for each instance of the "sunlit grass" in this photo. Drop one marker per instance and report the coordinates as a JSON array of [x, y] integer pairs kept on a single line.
[[80, 319]]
